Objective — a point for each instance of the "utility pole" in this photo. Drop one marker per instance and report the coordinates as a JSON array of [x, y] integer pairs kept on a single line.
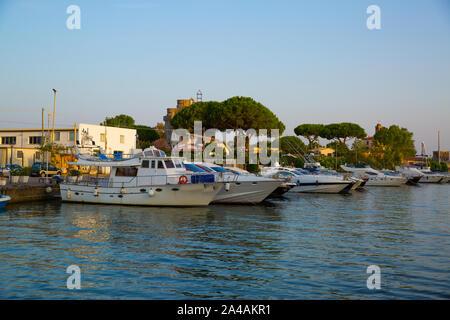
[[106, 143], [54, 109], [439, 146], [42, 126]]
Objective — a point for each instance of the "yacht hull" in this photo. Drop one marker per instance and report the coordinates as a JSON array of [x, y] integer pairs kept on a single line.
[[428, 178], [327, 187], [386, 182], [163, 195], [250, 192]]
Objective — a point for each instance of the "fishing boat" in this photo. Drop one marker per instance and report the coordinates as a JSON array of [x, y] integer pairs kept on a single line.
[[309, 182], [4, 200], [374, 177], [148, 178], [239, 188]]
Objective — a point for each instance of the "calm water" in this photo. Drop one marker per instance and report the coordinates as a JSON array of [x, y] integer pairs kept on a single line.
[[299, 247]]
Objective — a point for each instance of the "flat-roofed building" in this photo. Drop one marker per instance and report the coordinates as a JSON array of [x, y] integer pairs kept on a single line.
[[22, 146]]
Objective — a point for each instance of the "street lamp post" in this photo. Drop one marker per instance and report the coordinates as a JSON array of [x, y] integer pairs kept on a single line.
[[54, 107]]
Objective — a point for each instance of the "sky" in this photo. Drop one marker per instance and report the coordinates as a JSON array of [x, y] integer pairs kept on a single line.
[[308, 61]]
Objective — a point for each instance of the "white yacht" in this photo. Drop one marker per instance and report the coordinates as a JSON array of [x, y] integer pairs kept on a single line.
[[412, 174], [242, 188], [375, 177], [312, 183], [432, 177], [149, 178]]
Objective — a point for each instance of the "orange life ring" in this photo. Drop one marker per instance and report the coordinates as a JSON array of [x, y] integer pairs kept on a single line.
[[183, 180]]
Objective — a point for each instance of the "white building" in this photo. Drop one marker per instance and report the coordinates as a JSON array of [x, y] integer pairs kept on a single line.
[[21, 146]]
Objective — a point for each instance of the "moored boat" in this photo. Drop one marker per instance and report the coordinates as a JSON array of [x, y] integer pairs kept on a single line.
[[374, 177], [4, 200], [150, 178], [239, 187]]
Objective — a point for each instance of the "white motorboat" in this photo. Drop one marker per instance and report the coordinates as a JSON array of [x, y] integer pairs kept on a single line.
[[312, 183], [150, 178], [242, 187], [431, 177], [412, 174], [375, 177]]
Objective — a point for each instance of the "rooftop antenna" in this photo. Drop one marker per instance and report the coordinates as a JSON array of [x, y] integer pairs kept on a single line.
[[199, 96]]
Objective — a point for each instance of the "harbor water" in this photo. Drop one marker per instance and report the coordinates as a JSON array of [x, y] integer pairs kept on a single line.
[[301, 246]]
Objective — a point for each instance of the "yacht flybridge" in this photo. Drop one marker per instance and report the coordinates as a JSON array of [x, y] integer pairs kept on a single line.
[[149, 178]]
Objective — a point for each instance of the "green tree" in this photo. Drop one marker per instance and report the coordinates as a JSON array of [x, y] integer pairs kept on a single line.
[[120, 121], [146, 135], [234, 113], [292, 145], [342, 131], [311, 132], [392, 146]]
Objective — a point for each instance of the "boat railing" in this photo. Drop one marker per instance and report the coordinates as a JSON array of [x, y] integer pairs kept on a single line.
[[148, 180]]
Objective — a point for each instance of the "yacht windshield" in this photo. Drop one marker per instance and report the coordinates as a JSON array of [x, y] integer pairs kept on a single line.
[[193, 168], [204, 168], [219, 169]]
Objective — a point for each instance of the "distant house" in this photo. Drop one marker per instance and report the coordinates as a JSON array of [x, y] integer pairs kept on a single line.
[[443, 156], [22, 146], [369, 140], [323, 151]]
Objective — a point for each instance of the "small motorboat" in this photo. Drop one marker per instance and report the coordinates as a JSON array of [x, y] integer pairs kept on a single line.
[[4, 200]]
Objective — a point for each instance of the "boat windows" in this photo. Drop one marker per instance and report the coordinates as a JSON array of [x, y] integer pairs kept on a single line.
[[371, 173], [153, 165], [157, 154], [169, 164], [145, 163], [178, 164], [126, 172], [160, 165], [148, 153]]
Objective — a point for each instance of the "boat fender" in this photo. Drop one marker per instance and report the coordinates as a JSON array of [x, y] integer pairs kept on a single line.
[[69, 193], [122, 190], [151, 193], [227, 186], [96, 192]]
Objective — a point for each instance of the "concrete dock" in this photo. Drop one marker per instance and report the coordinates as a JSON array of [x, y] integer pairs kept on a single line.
[[35, 190]]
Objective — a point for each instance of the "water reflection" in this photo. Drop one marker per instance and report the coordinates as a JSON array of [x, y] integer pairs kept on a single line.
[[299, 246]]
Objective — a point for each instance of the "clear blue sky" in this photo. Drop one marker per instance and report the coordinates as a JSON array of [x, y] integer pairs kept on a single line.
[[308, 61]]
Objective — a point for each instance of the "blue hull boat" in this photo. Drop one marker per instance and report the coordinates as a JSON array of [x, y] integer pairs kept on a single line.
[[4, 200]]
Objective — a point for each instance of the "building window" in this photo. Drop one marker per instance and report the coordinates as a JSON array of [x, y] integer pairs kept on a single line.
[[19, 154], [102, 137], [122, 139], [35, 140], [57, 136], [37, 156], [8, 140], [71, 136]]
